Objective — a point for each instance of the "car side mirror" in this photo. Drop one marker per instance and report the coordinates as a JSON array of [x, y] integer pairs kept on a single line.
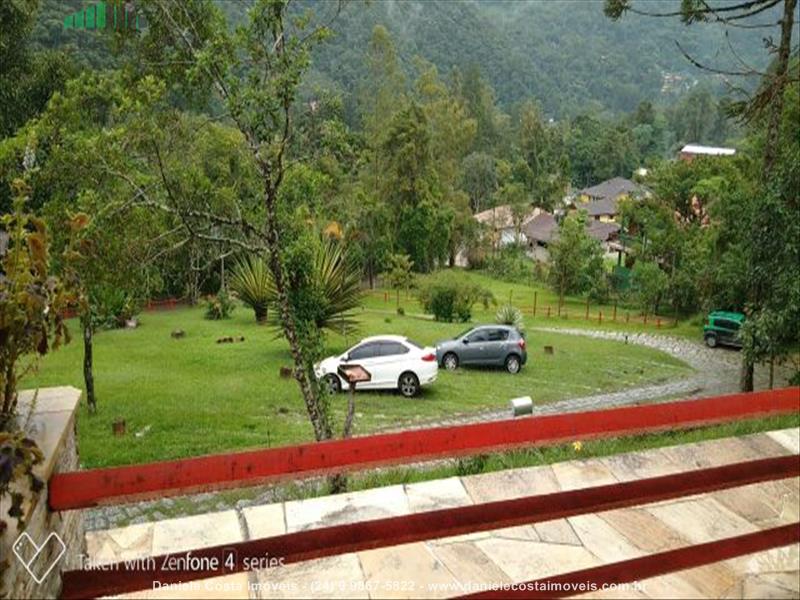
[[465, 341], [346, 358]]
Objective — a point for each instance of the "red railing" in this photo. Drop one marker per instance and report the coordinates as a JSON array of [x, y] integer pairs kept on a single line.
[[83, 489], [122, 484]]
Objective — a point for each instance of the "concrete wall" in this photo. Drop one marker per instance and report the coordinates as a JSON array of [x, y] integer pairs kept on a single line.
[[49, 418]]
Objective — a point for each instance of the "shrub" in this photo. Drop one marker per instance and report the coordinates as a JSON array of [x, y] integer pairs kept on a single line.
[[648, 284], [600, 289], [511, 264], [114, 307], [401, 311], [450, 297], [220, 306], [32, 301], [510, 315]]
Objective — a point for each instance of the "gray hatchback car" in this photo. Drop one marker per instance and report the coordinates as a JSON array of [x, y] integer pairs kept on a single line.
[[485, 345]]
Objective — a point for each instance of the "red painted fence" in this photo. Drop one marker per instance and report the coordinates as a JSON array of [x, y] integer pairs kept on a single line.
[[123, 484], [127, 577], [88, 488]]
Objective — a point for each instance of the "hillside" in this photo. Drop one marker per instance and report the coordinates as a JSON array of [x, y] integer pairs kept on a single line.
[[564, 53]]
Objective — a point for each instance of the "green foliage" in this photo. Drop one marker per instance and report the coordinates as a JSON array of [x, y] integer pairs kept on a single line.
[[337, 287], [510, 263], [510, 315], [449, 296], [599, 150], [32, 301], [220, 306], [576, 259], [252, 282], [479, 179], [113, 307], [648, 285], [400, 275]]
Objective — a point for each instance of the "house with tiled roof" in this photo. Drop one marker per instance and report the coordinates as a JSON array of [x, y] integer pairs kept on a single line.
[[500, 222], [601, 201]]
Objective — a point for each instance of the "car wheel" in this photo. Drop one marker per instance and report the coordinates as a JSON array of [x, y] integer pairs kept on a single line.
[[450, 361], [408, 384], [334, 383], [512, 364], [711, 341]]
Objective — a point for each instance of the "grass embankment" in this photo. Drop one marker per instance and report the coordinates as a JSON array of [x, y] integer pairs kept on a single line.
[[573, 311]]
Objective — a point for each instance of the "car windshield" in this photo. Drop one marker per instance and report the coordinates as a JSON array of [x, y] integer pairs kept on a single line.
[[463, 333]]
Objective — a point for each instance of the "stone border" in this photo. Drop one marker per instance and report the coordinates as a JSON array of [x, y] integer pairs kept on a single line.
[[49, 418]]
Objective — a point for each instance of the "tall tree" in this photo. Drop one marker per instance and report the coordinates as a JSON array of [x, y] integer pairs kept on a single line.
[[382, 93], [543, 150], [255, 75]]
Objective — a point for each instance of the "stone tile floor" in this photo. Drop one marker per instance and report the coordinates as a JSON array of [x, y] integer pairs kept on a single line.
[[448, 567]]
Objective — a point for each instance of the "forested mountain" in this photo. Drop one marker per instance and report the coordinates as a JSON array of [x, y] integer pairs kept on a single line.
[[564, 53]]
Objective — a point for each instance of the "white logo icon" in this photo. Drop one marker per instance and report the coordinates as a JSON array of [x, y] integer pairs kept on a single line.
[[25, 546]]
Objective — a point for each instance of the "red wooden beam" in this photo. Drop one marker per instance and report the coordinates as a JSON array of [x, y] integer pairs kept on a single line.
[[83, 489], [652, 565], [124, 577]]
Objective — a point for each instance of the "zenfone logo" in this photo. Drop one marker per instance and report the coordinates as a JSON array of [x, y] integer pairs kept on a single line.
[[39, 560]]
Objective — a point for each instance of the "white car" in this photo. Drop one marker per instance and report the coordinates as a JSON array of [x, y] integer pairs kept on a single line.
[[393, 361]]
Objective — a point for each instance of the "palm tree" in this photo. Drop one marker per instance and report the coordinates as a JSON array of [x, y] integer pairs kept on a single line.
[[339, 280], [252, 282], [334, 284]]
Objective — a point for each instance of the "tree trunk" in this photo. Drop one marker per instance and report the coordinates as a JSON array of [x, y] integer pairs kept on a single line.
[[771, 371], [781, 73], [9, 393], [746, 375], [88, 364], [773, 136], [317, 413], [262, 313]]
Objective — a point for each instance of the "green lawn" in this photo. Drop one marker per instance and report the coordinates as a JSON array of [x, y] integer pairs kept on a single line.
[[195, 396]]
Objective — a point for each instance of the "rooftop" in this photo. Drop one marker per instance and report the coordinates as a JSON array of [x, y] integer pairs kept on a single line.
[[612, 189], [502, 217], [707, 150]]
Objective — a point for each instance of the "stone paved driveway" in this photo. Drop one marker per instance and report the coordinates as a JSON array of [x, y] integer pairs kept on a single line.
[[716, 372], [452, 566]]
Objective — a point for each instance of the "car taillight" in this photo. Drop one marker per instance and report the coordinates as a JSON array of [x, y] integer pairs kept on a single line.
[[521, 344], [429, 357]]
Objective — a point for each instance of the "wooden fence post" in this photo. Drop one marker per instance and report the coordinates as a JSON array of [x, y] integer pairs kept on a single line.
[[628, 317], [548, 311], [600, 317], [535, 298], [645, 318], [615, 311], [587, 308]]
